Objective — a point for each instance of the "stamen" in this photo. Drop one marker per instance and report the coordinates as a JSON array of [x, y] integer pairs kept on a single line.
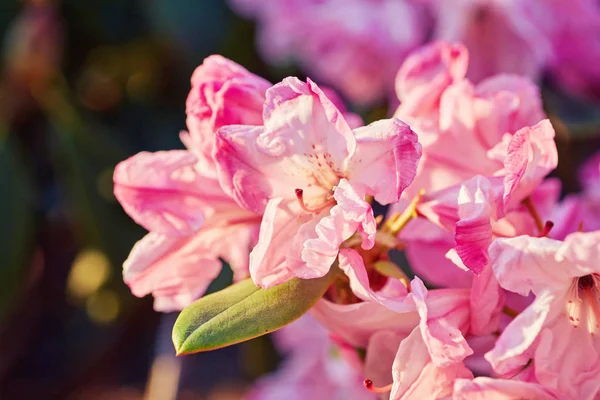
[[583, 302], [547, 228], [374, 389], [300, 197]]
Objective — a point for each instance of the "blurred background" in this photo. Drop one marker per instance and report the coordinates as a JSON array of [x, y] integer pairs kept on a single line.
[[84, 85]]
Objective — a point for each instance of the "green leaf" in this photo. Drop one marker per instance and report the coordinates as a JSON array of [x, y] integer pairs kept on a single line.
[[244, 311]]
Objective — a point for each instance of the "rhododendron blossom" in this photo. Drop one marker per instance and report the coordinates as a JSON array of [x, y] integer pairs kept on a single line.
[[559, 330], [501, 279], [307, 171]]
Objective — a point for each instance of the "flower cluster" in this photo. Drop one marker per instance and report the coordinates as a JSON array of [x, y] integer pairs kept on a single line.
[[357, 45], [280, 181]]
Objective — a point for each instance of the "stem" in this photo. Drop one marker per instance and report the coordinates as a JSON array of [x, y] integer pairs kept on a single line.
[[397, 223], [528, 203], [511, 312]]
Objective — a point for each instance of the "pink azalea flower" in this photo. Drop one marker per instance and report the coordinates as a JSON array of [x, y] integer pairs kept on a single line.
[[354, 45], [469, 208], [559, 330], [499, 35], [176, 196], [499, 389], [573, 27], [307, 171]]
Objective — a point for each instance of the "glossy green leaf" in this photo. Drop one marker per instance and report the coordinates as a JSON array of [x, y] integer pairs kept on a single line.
[[244, 311]]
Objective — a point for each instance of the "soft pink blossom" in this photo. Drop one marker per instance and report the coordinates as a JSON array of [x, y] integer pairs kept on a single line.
[[559, 330], [176, 196], [307, 171], [355, 46]]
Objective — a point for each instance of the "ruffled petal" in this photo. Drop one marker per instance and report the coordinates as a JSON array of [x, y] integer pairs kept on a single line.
[[444, 341], [524, 263], [353, 266], [163, 192], [389, 150], [416, 377], [483, 388], [270, 264], [531, 156], [351, 214], [175, 270], [426, 73], [509, 355]]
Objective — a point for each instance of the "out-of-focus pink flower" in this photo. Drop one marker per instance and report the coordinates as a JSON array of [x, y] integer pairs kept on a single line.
[[559, 330], [313, 368], [307, 171], [574, 30], [499, 35], [499, 389], [426, 74], [354, 45], [176, 196]]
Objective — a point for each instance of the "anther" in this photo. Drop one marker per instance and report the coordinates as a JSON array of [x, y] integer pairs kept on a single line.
[[374, 389]]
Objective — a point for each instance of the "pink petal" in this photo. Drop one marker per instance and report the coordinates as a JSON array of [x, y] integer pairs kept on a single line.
[[305, 144], [299, 115], [428, 261], [349, 215], [473, 232], [531, 156], [357, 323], [508, 103], [163, 192], [486, 303], [416, 377], [389, 150], [426, 73], [582, 250], [483, 388], [509, 355], [524, 263], [353, 266], [269, 261], [176, 271], [222, 93], [444, 341]]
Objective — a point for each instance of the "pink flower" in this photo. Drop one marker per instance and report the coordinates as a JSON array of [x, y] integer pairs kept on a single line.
[[499, 35], [558, 331], [573, 28], [499, 389], [308, 172], [176, 196], [354, 45], [470, 208]]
